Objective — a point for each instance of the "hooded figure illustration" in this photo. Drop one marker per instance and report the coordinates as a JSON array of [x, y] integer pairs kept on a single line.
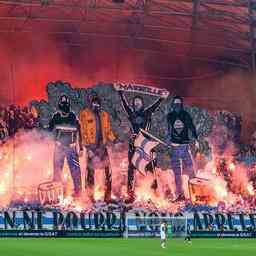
[[64, 104], [139, 118], [179, 125], [67, 133], [95, 103], [96, 132]]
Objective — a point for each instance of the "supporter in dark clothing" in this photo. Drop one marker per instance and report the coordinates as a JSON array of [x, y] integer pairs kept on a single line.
[[15, 119], [3, 129], [188, 235], [12, 123], [5, 115], [179, 125], [140, 118], [19, 118], [67, 131]]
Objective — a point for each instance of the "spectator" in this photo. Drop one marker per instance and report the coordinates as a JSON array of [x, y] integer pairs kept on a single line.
[[12, 122], [3, 129], [13, 118]]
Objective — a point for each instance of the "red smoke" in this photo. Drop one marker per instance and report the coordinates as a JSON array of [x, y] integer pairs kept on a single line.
[[29, 61]]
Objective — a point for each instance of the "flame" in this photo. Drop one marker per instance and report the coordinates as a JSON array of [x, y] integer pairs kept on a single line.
[[232, 166], [98, 193], [29, 157], [2, 188], [65, 176], [48, 173], [123, 164], [66, 202], [78, 208], [220, 191], [21, 178], [250, 189]]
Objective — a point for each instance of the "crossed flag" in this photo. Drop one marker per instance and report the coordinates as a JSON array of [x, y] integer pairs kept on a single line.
[[144, 144]]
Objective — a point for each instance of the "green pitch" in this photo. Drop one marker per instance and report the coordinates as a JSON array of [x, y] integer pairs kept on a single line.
[[125, 247]]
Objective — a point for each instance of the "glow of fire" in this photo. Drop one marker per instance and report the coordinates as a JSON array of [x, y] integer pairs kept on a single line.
[[2, 188], [66, 201], [65, 176], [78, 208], [7, 174], [29, 157], [232, 166], [145, 195], [19, 192], [250, 189], [98, 193], [123, 164], [220, 190], [49, 173]]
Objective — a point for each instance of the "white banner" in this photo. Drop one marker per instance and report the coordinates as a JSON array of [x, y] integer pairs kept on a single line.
[[138, 88]]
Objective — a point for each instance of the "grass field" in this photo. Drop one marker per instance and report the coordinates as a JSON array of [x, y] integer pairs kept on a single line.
[[125, 247]]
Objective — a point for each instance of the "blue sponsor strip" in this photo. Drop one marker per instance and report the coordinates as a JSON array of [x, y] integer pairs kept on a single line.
[[49, 221]]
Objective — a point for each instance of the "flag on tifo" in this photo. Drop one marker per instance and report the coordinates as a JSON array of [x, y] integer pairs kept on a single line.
[[142, 156]]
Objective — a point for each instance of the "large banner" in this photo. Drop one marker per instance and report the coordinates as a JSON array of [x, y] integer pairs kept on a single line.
[[112, 224], [56, 220], [201, 224]]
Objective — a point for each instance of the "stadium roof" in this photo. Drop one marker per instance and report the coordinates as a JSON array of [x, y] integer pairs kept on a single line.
[[206, 32]]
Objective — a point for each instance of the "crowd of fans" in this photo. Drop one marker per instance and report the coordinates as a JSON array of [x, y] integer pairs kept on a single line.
[[13, 118]]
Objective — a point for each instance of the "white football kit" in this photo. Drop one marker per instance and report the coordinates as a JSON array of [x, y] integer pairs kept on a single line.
[[162, 232]]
